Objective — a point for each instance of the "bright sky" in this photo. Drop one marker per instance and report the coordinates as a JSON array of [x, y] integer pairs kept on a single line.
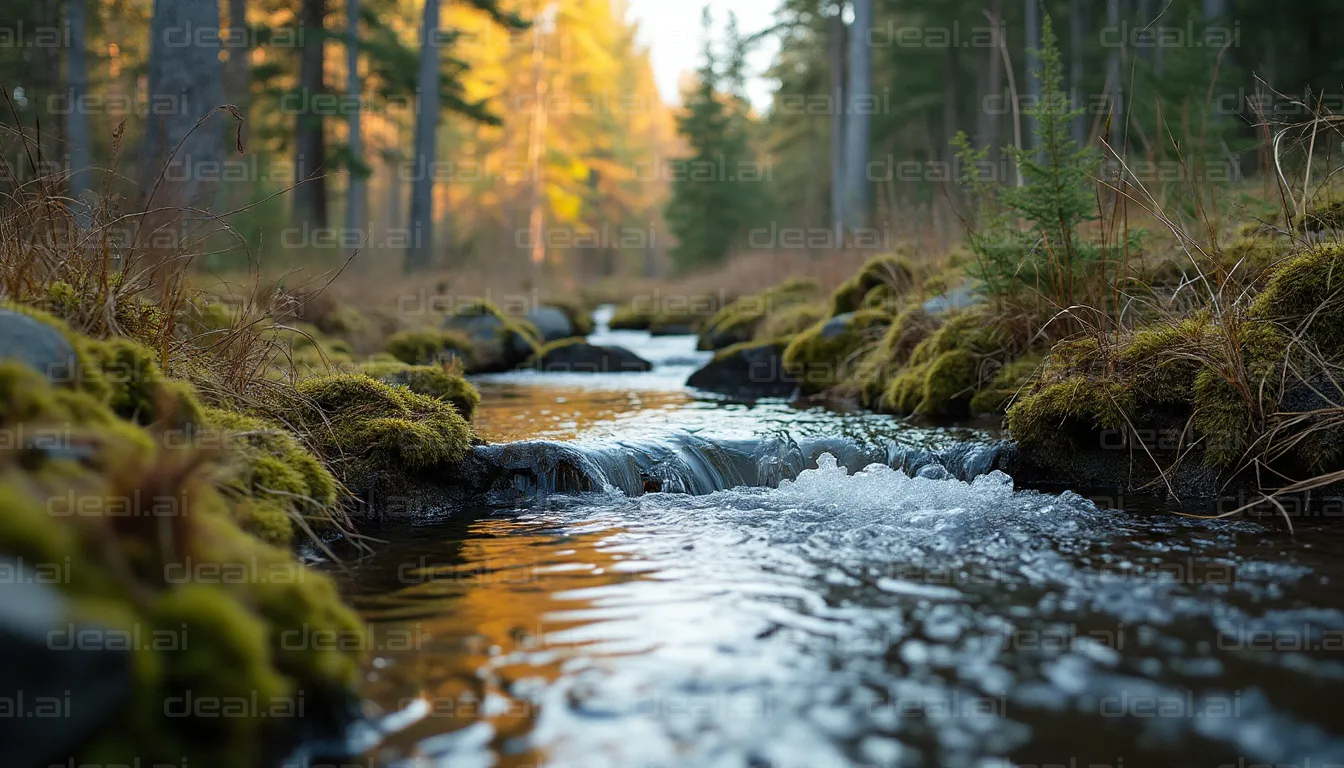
[[672, 30]]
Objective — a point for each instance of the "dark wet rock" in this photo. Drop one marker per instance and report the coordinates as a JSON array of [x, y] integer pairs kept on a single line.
[[74, 673], [582, 357], [498, 344], [672, 329], [552, 323], [37, 345], [747, 371]]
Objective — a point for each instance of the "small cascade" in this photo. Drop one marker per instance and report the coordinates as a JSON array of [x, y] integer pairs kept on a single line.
[[686, 463]]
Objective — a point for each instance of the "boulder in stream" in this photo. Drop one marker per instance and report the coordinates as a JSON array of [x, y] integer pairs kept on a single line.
[[747, 371], [552, 323], [499, 342], [578, 356]]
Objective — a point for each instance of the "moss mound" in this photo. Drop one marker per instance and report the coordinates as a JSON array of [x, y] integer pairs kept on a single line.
[[739, 321], [429, 380], [275, 483], [429, 347], [151, 551], [823, 355], [377, 428], [1304, 295], [891, 274], [946, 368], [788, 322]]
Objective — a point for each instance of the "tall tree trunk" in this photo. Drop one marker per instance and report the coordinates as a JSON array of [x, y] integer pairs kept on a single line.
[[237, 86], [420, 253], [1077, 42], [858, 130], [187, 77], [1033, 63], [987, 132], [355, 198], [310, 146], [837, 50], [78, 135], [951, 102]]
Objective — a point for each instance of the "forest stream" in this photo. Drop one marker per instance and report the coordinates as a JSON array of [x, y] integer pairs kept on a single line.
[[778, 585]]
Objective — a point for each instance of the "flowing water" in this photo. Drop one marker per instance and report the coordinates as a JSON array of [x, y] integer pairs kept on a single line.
[[791, 599]]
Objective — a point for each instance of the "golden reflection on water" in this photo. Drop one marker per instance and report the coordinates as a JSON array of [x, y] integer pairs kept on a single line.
[[469, 622], [510, 412]]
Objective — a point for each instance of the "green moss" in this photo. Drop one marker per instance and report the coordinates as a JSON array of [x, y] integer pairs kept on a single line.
[[630, 318], [431, 381], [210, 604], [788, 321], [821, 360], [344, 322], [1011, 379], [576, 309], [380, 428], [891, 271], [662, 317], [428, 346], [1304, 296], [740, 319], [274, 480], [1047, 417], [874, 375]]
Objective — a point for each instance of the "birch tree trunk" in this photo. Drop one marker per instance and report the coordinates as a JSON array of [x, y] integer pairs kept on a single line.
[[420, 253], [837, 50], [858, 131]]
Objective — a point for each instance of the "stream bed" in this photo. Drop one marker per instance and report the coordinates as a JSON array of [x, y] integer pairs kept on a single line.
[[789, 598]]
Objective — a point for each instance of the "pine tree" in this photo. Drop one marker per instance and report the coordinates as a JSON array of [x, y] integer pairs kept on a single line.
[[1057, 197], [714, 194]]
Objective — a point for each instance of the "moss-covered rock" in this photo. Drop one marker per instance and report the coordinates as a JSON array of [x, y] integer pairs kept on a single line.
[[435, 381], [823, 355], [945, 369], [739, 321], [667, 316], [150, 550], [369, 427], [499, 342], [789, 321], [1305, 295], [1000, 391], [576, 311], [278, 487], [429, 347], [892, 274]]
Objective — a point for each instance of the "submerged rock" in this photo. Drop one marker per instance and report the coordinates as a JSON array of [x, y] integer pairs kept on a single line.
[[749, 371], [577, 356], [38, 345]]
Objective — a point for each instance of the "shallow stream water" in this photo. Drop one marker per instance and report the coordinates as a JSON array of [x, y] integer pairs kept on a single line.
[[790, 599]]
